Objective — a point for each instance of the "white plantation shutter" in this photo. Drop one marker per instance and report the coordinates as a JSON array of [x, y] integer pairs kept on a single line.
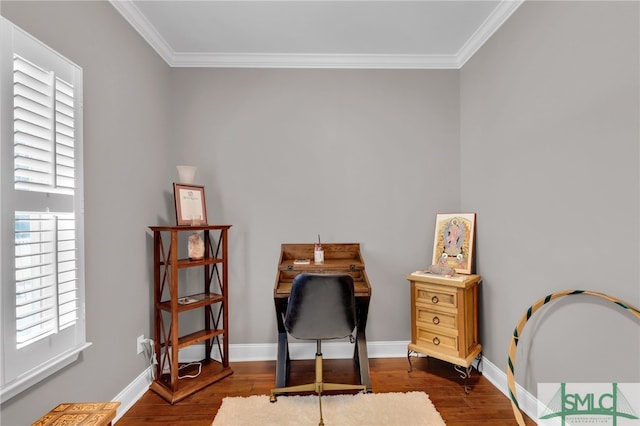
[[42, 272], [45, 249], [46, 275], [44, 129]]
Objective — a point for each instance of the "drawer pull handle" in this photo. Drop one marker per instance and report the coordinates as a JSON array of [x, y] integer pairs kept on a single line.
[[434, 299], [436, 341], [436, 320]]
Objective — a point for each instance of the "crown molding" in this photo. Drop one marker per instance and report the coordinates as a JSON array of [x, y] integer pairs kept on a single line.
[[493, 22], [141, 24], [306, 60], [138, 21]]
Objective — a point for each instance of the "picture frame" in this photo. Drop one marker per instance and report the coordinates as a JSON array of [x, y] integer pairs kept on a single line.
[[453, 241], [191, 209]]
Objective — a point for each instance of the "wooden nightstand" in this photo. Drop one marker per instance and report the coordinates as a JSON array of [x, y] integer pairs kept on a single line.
[[444, 319]]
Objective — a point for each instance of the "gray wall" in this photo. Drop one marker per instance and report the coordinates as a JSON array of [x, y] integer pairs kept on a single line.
[[538, 134], [125, 147], [355, 156], [550, 162]]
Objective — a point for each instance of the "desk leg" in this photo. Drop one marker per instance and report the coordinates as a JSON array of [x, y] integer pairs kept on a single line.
[[282, 360], [360, 352]]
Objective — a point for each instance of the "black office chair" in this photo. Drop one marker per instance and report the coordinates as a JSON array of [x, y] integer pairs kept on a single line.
[[320, 307]]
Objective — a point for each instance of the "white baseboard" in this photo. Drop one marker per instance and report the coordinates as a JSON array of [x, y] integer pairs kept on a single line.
[[498, 378], [306, 350], [132, 393]]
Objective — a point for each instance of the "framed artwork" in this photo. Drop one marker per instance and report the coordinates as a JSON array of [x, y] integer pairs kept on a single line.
[[453, 241], [190, 205]]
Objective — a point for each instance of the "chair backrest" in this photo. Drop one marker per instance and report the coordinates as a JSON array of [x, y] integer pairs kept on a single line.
[[321, 306]]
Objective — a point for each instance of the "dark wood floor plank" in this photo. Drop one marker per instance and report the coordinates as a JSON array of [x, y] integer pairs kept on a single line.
[[484, 405]]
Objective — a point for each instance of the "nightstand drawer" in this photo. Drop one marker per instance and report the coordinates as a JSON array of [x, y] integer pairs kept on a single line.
[[436, 319], [437, 341], [444, 317], [439, 297]]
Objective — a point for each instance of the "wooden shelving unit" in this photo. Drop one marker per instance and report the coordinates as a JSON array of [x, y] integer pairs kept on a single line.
[[212, 301]]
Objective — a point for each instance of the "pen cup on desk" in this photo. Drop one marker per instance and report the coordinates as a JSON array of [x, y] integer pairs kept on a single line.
[[318, 254]]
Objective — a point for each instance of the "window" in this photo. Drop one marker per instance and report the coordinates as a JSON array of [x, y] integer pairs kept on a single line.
[[41, 224]]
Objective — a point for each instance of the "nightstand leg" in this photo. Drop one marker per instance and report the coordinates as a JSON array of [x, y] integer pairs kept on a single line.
[[413, 354], [465, 372]]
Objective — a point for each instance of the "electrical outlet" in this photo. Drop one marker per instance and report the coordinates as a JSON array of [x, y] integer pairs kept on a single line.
[[140, 344]]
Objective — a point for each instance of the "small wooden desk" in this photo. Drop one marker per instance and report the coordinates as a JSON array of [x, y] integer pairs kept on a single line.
[[338, 258], [80, 414]]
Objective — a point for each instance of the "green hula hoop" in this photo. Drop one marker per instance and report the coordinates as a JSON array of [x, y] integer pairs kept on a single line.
[[518, 332]]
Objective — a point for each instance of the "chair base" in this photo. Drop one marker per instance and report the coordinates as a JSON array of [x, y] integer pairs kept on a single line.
[[318, 387]]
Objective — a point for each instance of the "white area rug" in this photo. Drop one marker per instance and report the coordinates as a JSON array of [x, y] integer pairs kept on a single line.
[[373, 409]]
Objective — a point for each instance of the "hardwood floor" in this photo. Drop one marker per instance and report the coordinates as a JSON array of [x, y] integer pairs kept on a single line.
[[484, 405]]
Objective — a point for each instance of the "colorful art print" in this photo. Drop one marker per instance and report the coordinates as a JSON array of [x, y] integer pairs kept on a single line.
[[453, 241]]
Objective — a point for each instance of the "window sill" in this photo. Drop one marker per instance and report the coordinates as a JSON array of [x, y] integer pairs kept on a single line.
[[41, 372]]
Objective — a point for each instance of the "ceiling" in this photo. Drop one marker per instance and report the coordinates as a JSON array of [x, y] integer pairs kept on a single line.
[[418, 34]]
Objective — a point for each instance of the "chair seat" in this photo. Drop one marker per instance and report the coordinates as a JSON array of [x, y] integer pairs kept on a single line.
[[320, 307]]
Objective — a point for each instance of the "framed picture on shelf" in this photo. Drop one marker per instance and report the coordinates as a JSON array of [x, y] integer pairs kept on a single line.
[[453, 241], [191, 208]]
